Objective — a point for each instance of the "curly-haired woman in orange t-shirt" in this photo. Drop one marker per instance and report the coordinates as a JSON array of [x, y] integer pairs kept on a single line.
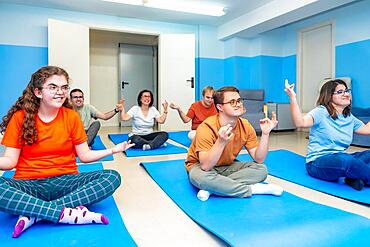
[[42, 137]]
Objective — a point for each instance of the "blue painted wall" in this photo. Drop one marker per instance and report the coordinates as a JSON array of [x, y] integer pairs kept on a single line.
[[259, 72], [354, 60], [17, 64]]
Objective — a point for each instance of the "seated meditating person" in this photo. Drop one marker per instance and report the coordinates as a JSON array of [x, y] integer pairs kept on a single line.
[[211, 161], [331, 131], [88, 114], [143, 118], [198, 111], [42, 136]]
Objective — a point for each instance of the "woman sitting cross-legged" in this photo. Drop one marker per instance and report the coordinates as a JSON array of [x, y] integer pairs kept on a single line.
[[42, 136], [331, 130], [143, 116]]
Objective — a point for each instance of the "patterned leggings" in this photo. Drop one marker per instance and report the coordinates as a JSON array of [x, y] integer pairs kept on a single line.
[[45, 198]]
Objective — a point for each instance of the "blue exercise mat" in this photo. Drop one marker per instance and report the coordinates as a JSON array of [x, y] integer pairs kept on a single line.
[[98, 145], [134, 152], [291, 166], [180, 137], [262, 220], [59, 235]]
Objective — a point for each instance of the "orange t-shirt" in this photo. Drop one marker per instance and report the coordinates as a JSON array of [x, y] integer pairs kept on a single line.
[[207, 134], [53, 154], [198, 113]]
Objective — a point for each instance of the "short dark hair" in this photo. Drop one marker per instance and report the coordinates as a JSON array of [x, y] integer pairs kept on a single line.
[[326, 98], [141, 94], [219, 94], [75, 90]]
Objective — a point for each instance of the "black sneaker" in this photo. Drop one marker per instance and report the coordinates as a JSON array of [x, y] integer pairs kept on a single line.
[[355, 183]]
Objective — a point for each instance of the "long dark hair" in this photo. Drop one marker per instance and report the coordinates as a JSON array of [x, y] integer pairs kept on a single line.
[[30, 103], [326, 98]]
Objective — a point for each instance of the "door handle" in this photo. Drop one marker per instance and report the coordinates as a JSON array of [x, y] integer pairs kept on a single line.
[[123, 83], [191, 81]]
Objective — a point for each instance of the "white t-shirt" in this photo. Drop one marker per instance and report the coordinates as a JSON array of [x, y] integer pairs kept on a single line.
[[142, 125]]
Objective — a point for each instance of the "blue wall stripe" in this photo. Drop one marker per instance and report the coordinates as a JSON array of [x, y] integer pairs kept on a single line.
[[17, 64], [353, 60], [211, 73], [260, 72]]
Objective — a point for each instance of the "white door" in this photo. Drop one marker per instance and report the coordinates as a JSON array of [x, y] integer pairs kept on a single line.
[[136, 73], [176, 68], [316, 63], [68, 47]]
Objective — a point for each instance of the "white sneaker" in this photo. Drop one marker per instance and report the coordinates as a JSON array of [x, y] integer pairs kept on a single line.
[[203, 195], [146, 147]]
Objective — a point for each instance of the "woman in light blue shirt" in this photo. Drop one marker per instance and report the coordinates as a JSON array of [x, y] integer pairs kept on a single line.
[[332, 126]]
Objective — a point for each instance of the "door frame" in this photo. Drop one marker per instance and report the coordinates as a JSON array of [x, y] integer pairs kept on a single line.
[[154, 88], [300, 55]]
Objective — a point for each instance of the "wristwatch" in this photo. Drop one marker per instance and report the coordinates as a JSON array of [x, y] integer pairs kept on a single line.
[[115, 110]]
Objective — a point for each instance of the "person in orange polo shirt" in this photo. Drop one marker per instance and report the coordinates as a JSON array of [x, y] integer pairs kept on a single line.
[[198, 111], [211, 161], [42, 136]]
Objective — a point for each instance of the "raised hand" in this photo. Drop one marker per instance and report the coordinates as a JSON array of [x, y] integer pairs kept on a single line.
[[289, 89], [121, 104], [225, 133], [173, 106], [123, 146], [165, 105], [267, 124]]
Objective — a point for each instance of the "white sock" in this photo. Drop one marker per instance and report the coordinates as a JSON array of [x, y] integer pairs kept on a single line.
[[203, 195], [81, 215], [22, 224], [146, 147], [271, 189]]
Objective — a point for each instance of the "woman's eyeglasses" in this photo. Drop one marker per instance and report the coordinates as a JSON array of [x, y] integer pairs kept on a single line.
[[53, 89], [341, 91]]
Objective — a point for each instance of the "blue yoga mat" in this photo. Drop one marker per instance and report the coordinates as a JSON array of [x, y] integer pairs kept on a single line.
[[98, 145], [59, 235], [262, 220], [291, 166], [132, 152], [180, 137]]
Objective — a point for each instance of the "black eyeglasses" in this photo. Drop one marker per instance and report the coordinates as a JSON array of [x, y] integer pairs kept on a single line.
[[77, 97], [234, 102], [343, 91]]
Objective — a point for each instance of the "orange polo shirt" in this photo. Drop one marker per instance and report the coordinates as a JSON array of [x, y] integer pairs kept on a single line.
[[207, 134], [53, 154]]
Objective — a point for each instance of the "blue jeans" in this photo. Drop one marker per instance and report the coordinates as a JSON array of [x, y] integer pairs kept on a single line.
[[333, 166]]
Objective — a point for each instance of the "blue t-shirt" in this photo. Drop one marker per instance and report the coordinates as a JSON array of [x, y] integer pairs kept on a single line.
[[329, 136]]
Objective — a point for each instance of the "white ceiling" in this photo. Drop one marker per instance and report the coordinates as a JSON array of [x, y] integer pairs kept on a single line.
[[243, 18]]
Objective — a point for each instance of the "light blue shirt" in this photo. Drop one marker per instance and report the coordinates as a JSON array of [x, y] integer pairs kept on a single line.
[[329, 136]]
